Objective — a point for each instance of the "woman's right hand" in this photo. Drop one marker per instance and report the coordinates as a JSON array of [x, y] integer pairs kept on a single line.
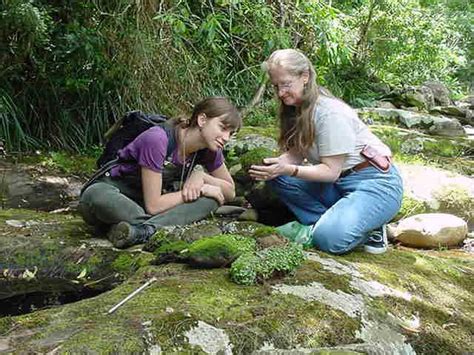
[[214, 192]]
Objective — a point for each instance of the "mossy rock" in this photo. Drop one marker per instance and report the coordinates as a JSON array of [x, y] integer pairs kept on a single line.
[[162, 315], [410, 146], [187, 234], [39, 249]]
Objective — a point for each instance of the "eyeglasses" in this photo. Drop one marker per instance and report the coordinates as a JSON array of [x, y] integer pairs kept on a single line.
[[283, 87]]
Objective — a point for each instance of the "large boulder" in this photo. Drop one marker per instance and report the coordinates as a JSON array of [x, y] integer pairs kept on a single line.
[[440, 92], [420, 97], [430, 230], [463, 114], [447, 127]]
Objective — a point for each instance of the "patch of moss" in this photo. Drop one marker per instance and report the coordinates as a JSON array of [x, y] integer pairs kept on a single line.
[[63, 162], [434, 276], [218, 251], [6, 323], [127, 263], [156, 240], [250, 268], [172, 248], [255, 157], [270, 131]]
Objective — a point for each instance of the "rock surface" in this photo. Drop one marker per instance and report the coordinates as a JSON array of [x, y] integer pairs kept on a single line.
[[430, 230], [439, 190]]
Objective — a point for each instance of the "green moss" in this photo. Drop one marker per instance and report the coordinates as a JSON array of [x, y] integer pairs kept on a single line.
[[63, 162], [229, 244], [250, 268], [218, 251], [6, 323], [249, 315], [270, 131], [128, 263], [437, 277], [255, 157], [172, 248], [156, 240], [264, 231], [410, 207]]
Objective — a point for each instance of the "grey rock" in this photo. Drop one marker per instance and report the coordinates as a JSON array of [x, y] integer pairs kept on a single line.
[[440, 92], [447, 127]]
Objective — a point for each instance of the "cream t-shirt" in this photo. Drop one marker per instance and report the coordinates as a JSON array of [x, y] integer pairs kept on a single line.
[[340, 131]]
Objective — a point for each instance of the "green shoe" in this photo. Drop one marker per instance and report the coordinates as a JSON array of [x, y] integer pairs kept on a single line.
[[296, 232]]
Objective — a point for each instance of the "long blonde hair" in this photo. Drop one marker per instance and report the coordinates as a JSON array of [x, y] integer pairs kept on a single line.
[[296, 123]]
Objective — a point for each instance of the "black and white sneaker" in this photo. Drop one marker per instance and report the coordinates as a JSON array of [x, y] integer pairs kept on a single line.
[[377, 242]]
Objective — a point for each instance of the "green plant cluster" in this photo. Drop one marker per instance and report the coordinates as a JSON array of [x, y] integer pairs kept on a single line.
[[251, 268], [68, 69], [229, 246]]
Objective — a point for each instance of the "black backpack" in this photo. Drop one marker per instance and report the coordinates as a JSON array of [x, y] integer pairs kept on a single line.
[[123, 132]]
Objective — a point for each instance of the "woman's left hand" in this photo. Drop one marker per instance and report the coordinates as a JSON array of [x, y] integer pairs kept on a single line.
[[192, 187], [274, 167]]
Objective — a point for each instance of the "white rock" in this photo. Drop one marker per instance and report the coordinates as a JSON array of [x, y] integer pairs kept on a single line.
[[430, 230]]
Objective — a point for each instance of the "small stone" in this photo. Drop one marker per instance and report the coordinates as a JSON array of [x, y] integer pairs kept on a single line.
[[169, 310], [15, 223]]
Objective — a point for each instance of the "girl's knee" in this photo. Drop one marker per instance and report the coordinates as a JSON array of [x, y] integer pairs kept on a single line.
[[335, 238]]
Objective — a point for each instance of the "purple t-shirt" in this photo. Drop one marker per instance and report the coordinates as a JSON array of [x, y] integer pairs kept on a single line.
[[149, 150]]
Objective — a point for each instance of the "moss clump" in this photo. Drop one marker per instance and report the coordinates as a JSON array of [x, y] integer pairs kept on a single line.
[[255, 157], [251, 268], [218, 251]]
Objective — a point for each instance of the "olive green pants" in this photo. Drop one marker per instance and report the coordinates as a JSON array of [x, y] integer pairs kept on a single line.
[[110, 201]]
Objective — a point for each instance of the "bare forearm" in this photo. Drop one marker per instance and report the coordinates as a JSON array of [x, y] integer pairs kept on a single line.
[[228, 188], [164, 203], [319, 172]]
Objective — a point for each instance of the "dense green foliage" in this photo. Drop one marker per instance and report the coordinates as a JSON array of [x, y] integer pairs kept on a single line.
[[70, 68]]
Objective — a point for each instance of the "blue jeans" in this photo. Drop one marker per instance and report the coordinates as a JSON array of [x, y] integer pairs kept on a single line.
[[343, 212]]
